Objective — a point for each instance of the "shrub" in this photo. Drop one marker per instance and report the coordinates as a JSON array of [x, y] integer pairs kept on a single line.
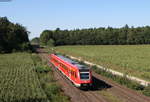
[[52, 88], [43, 68], [26, 47], [146, 91], [51, 42], [36, 60]]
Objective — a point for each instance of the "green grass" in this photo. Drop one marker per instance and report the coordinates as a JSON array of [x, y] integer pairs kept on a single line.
[[128, 59], [48, 82], [18, 80], [109, 96], [25, 77], [123, 81]]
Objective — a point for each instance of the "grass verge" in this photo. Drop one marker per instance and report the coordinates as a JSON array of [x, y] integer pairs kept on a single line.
[[109, 96], [48, 83], [123, 81]]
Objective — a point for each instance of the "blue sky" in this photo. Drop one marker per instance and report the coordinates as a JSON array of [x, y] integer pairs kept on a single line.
[[38, 15]]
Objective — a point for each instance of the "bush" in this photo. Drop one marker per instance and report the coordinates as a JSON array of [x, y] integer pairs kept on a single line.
[[59, 98], [52, 88], [50, 43], [43, 69], [36, 60], [146, 91], [26, 47]]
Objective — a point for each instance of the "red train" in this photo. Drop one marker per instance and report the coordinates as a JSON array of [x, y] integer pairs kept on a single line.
[[79, 75]]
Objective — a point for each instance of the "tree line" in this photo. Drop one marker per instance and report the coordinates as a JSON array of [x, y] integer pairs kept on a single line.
[[97, 36], [13, 37]]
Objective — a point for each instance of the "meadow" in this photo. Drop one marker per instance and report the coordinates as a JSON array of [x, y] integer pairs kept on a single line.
[[18, 80], [128, 59]]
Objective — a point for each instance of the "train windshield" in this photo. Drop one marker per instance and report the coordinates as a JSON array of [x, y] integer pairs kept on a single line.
[[84, 75]]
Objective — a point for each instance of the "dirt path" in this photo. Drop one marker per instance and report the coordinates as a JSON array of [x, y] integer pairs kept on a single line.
[[104, 89]]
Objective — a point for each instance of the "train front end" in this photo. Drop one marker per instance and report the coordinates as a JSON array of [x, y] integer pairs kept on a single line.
[[85, 76]]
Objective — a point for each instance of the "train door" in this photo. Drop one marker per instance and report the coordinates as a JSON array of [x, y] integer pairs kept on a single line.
[[69, 72]]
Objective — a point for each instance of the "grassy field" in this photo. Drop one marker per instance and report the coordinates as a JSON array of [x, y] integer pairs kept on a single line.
[[25, 77], [129, 59], [18, 81]]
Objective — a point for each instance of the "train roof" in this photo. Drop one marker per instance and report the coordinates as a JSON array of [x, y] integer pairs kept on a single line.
[[75, 63]]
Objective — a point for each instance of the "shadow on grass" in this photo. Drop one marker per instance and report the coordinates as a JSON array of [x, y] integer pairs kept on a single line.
[[97, 85]]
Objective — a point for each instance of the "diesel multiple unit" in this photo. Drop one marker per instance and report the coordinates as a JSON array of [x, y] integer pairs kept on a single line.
[[79, 75]]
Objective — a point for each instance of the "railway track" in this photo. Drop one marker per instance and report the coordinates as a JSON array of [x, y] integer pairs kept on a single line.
[[121, 91], [77, 95]]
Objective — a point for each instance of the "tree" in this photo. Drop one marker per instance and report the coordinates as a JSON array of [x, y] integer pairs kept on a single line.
[[35, 40], [12, 36], [98, 36], [45, 36], [50, 42]]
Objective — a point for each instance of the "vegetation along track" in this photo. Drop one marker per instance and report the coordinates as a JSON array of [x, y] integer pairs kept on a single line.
[[113, 92]]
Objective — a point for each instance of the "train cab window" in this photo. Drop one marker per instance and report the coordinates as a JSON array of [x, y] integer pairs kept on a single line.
[[84, 75]]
